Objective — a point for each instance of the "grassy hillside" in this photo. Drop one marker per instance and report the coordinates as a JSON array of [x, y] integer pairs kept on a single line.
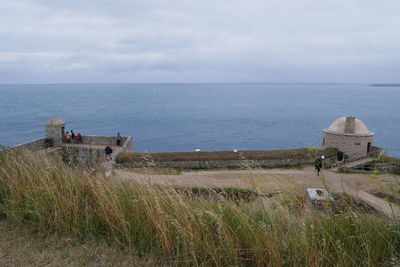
[[176, 228]]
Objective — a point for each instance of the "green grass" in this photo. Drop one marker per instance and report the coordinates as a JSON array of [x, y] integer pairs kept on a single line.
[[44, 195]]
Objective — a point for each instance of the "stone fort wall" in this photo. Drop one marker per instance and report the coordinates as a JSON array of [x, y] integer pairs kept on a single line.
[[87, 153], [35, 145], [349, 144], [40, 143], [104, 140], [211, 164], [214, 164], [84, 152]]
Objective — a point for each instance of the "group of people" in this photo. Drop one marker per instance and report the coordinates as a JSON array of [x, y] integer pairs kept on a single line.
[[72, 138], [318, 164], [108, 150]]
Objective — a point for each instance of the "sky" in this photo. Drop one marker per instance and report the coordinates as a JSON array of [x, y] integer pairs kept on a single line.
[[182, 41]]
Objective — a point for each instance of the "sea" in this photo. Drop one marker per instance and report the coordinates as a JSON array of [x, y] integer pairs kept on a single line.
[[185, 117]]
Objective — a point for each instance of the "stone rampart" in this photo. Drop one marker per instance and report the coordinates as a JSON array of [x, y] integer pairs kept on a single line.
[[35, 145], [83, 154], [105, 140], [211, 164], [93, 149], [99, 140]]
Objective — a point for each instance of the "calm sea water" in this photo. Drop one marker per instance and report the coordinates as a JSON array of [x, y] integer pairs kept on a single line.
[[184, 117]]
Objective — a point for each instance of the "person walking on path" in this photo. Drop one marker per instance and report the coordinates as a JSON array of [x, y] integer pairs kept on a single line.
[[67, 137], [318, 165], [108, 151], [119, 139]]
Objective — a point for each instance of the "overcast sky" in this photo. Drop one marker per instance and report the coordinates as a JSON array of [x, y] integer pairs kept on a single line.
[[58, 41]]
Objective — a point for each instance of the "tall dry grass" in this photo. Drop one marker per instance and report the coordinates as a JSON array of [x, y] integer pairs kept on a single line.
[[182, 229]]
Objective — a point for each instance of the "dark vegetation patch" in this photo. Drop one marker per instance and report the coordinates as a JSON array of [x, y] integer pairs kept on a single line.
[[389, 159], [345, 203], [295, 203], [393, 160], [2, 212], [227, 193], [351, 170]]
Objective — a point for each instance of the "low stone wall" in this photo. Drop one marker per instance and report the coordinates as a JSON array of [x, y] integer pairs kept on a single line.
[[99, 140], [35, 145], [105, 140], [82, 154], [127, 144], [214, 164], [94, 153]]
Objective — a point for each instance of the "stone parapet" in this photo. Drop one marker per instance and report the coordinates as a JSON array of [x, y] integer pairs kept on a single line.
[[35, 145]]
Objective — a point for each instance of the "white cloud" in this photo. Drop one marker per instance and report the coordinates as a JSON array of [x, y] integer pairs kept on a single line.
[[206, 41]]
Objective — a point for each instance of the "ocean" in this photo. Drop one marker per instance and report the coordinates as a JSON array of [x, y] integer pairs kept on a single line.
[[185, 117]]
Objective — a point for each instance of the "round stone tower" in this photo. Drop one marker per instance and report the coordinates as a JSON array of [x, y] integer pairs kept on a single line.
[[349, 135], [55, 130]]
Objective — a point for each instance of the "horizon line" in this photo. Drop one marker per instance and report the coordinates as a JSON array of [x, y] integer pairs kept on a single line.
[[98, 83]]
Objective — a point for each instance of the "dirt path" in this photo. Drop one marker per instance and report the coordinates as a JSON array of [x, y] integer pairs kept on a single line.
[[289, 180]]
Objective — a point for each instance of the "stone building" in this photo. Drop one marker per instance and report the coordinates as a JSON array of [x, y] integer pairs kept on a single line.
[[349, 135], [55, 130]]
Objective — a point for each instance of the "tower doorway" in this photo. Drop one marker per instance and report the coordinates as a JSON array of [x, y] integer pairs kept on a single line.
[[369, 147]]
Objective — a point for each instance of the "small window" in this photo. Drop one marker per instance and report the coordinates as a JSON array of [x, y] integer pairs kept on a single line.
[[323, 142], [357, 144]]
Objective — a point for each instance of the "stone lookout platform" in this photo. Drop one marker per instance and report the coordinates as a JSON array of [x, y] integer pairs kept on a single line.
[[91, 147]]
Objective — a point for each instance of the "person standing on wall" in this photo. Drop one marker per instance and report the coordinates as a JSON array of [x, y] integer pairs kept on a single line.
[[119, 139], [68, 137], [79, 138], [72, 136]]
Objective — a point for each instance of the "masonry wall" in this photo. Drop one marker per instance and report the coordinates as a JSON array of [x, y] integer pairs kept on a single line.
[[83, 154], [104, 140], [349, 144], [91, 154], [35, 145], [210, 164], [55, 133]]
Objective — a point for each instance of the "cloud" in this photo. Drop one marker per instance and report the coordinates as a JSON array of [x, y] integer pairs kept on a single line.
[[206, 41]]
